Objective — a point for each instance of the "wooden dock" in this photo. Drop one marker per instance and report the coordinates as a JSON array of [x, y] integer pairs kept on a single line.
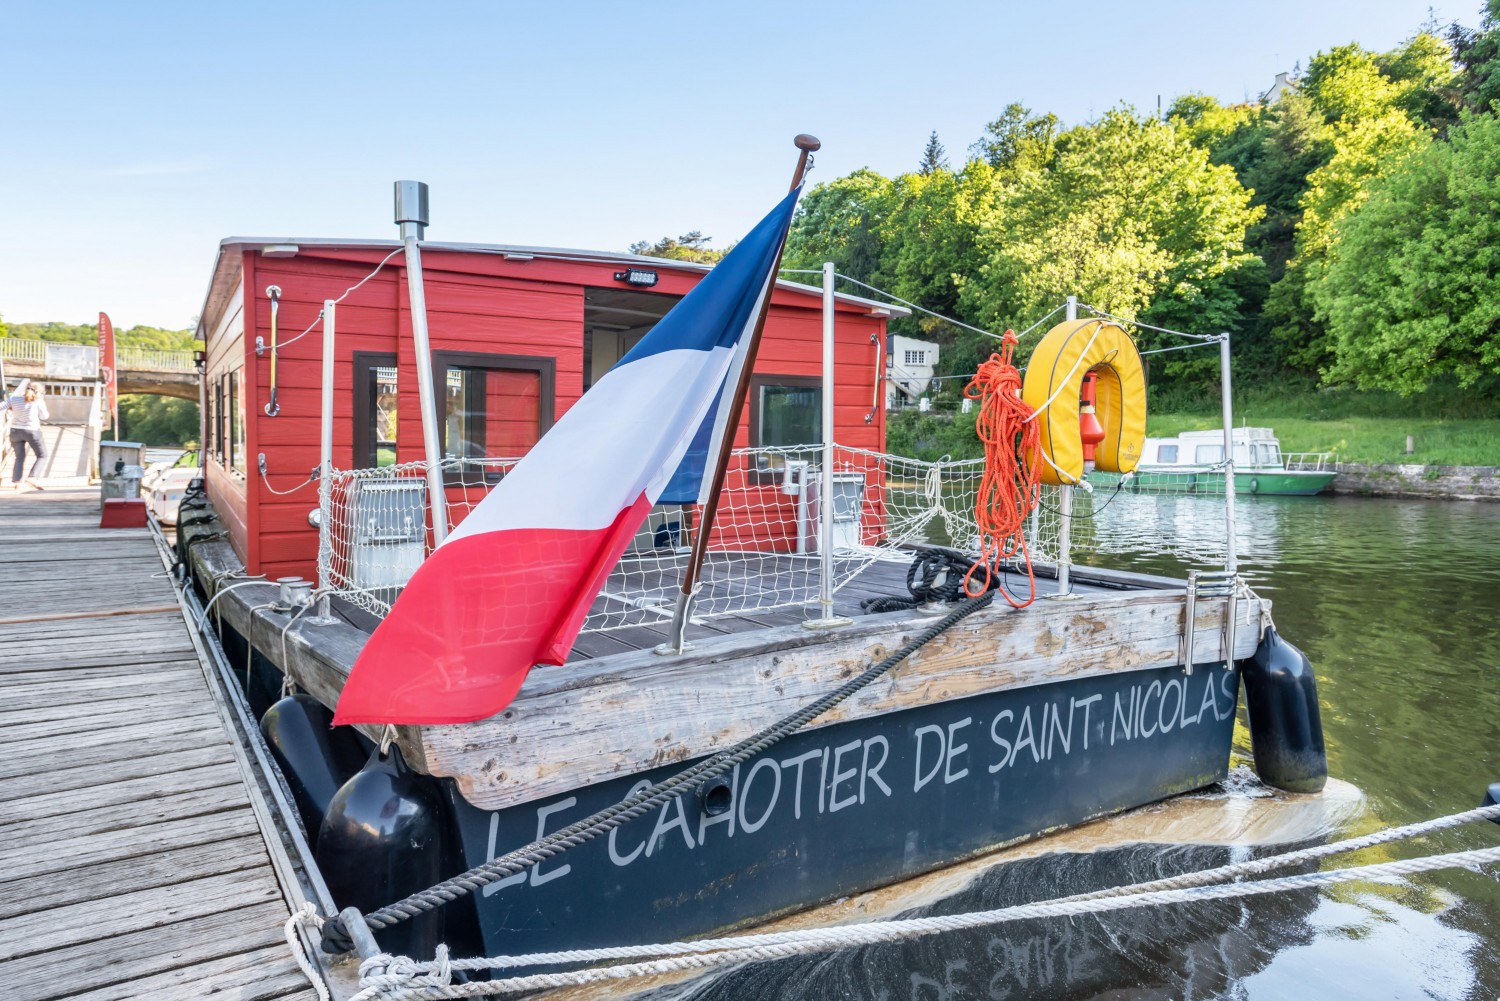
[[132, 864]]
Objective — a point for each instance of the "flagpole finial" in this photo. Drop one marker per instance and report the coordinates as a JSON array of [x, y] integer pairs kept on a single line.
[[808, 145]]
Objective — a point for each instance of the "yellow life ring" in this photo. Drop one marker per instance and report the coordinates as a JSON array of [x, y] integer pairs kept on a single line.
[[1054, 379]]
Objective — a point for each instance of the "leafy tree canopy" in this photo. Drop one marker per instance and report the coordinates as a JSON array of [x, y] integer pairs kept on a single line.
[[1412, 292], [687, 247]]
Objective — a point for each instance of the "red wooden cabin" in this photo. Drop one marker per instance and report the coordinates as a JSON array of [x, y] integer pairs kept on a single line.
[[517, 335]]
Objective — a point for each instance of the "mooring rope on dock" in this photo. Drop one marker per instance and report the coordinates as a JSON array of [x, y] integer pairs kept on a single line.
[[391, 978], [337, 939]]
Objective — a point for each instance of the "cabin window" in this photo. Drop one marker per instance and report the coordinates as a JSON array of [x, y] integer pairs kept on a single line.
[[786, 412], [237, 419], [1208, 454], [1166, 453], [374, 410], [216, 420], [494, 407], [1270, 455]]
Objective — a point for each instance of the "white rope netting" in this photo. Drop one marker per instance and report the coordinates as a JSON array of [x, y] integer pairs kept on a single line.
[[765, 551]]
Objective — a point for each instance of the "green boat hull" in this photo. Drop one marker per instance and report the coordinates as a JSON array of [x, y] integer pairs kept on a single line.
[[1279, 482]]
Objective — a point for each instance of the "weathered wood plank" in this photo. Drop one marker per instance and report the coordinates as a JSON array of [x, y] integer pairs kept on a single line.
[[262, 975], [40, 751], [19, 812], [43, 701], [617, 715], [71, 924], [144, 872], [106, 764], [103, 675], [22, 726], [91, 849], [121, 626], [122, 959], [198, 802]]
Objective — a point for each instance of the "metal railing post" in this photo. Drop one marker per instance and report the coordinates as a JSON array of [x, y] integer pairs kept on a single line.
[[826, 618], [1065, 507], [411, 216], [325, 449], [1231, 555]]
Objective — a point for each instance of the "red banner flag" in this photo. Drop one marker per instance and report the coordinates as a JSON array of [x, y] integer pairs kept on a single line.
[[107, 369]]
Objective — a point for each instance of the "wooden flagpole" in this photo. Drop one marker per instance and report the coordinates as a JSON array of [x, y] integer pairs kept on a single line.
[[807, 145]]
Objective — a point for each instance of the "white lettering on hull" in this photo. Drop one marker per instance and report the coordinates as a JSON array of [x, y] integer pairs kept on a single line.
[[849, 774]]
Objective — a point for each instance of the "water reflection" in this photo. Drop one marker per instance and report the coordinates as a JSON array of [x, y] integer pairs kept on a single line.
[[1398, 605]]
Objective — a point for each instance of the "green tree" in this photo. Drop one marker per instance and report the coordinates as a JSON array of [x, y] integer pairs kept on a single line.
[[1131, 217], [842, 221], [934, 157], [1477, 54], [1365, 150], [1018, 140], [691, 246], [158, 420], [1412, 291]]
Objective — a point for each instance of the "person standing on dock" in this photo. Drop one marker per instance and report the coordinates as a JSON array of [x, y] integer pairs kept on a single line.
[[28, 410]]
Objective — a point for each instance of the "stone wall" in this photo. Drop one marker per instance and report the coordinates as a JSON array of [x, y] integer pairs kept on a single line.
[[1447, 482]]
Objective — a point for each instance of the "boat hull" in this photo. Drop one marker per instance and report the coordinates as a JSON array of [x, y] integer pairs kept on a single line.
[[1294, 483], [848, 807]]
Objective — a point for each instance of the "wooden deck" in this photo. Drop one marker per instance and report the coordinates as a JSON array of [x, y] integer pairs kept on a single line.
[[132, 864]]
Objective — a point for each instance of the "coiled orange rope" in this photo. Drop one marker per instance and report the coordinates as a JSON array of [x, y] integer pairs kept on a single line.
[[1010, 487]]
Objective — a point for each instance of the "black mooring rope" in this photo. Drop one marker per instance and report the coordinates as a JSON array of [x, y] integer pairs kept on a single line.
[[336, 938], [936, 574]]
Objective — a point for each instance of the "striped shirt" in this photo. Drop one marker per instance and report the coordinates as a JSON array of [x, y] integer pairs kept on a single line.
[[26, 416]]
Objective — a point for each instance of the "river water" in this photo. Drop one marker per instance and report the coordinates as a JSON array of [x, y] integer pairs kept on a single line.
[[1397, 603]]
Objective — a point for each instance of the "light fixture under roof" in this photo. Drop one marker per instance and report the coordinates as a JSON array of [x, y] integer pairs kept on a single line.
[[641, 277], [279, 250]]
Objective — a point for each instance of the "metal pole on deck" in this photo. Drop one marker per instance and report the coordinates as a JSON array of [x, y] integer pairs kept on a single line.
[[325, 446], [1231, 556], [827, 620], [411, 216], [682, 613], [1065, 507]]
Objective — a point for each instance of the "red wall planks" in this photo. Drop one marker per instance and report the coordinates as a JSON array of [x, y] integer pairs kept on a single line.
[[477, 302]]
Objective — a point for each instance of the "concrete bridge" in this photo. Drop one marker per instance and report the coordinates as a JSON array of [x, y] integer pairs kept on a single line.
[[140, 370], [70, 377]]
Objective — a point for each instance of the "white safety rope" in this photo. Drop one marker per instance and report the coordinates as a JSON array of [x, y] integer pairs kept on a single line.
[[305, 916], [401, 979]]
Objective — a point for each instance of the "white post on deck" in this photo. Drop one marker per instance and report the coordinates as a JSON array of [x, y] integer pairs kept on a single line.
[[826, 619], [1065, 507], [325, 446], [1231, 555], [411, 216]]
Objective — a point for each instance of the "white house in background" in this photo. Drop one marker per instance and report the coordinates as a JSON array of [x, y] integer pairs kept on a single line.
[[909, 364], [1283, 84]]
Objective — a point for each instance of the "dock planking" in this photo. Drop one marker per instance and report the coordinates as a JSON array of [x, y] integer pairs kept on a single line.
[[132, 864]]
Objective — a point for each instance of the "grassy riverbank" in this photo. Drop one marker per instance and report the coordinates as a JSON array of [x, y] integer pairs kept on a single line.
[[1450, 427]]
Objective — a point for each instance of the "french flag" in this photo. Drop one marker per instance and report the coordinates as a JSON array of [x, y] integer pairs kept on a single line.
[[510, 587]]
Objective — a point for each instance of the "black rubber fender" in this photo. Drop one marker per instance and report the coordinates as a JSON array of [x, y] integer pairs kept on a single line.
[[315, 758], [384, 838], [1286, 727]]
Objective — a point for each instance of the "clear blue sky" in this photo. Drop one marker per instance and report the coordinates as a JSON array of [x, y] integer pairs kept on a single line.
[[137, 135]]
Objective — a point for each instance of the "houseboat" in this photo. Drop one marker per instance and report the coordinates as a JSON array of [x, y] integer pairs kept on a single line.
[[1108, 691], [1193, 462]]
